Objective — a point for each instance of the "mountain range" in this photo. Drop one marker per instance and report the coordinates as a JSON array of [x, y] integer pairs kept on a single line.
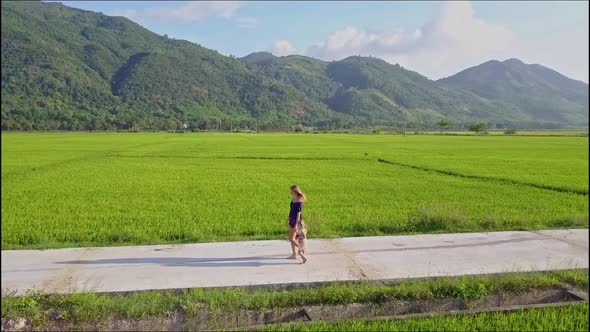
[[70, 69]]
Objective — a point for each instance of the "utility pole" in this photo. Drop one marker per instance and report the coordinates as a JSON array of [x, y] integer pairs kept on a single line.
[[405, 126], [231, 126], [219, 125]]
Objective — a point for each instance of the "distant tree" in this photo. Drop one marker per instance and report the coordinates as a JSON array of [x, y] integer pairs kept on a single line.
[[510, 131], [443, 124], [477, 127]]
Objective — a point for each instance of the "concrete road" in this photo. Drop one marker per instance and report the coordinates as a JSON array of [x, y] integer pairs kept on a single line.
[[263, 262]]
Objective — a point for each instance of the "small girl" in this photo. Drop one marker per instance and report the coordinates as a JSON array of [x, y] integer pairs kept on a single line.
[[302, 239], [296, 224]]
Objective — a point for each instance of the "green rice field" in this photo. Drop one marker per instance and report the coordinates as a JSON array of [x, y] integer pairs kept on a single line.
[[102, 189], [568, 318]]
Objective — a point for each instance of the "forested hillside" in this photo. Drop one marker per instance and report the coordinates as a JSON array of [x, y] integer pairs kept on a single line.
[[376, 92], [65, 68], [69, 69], [534, 91]]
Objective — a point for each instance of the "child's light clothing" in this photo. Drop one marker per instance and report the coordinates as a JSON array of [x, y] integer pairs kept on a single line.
[[302, 236]]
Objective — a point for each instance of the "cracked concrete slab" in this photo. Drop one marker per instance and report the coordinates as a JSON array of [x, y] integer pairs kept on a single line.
[[113, 269]]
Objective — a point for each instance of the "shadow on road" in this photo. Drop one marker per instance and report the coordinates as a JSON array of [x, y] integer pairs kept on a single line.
[[255, 261], [192, 262]]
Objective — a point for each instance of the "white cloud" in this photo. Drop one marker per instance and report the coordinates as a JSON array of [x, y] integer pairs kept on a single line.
[[246, 22], [453, 37], [282, 48], [566, 52], [191, 11]]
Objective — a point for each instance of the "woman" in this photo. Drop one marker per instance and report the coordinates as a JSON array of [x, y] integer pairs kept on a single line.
[[295, 223]]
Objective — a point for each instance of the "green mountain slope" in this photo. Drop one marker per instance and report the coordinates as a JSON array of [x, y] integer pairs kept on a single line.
[[69, 69], [412, 91], [304, 73], [376, 92], [65, 68], [534, 91]]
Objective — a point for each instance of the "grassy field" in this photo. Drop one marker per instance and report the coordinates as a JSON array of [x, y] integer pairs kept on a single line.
[[569, 318], [92, 307], [81, 189]]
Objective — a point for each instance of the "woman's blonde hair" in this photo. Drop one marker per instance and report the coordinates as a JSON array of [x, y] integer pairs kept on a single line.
[[299, 193]]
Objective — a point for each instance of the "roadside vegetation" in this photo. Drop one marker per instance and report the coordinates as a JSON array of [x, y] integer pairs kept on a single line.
[[93, 307], [568, 318]]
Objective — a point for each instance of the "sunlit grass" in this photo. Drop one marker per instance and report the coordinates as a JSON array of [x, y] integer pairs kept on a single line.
[[93, 307], [568, 318], [61, 190]]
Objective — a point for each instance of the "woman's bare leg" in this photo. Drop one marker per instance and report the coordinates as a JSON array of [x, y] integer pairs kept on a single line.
[[294, 244]]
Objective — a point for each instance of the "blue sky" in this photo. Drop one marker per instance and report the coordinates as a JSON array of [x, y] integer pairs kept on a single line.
[[436, 39]]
